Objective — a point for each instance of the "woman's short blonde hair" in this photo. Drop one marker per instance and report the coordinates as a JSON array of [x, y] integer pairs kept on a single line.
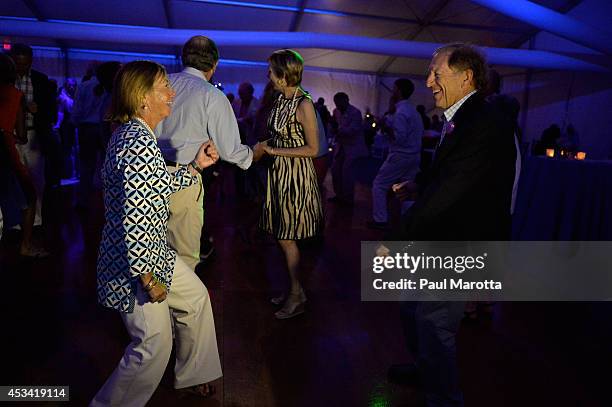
[[287, 64], [133, 81]]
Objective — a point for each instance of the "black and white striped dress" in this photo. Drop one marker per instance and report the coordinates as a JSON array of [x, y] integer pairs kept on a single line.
[[292, 209]]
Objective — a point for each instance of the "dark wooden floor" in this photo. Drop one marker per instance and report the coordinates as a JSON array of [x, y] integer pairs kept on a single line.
[[337, 354]]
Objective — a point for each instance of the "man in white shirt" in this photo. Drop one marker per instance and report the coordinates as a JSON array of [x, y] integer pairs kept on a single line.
[[245, 109], [405, 131], [200, 112], [347, 127]]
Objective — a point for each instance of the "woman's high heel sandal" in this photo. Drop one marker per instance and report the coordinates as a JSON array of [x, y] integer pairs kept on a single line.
[[281, 298], [293, 306]]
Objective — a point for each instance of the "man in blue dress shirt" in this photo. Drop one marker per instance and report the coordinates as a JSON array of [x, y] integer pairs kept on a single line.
[[201, 112]]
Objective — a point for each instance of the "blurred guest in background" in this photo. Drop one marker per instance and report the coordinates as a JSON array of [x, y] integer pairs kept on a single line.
[[66, 128], [105, 74], [549, 139], [571, 140], [426, 120], [90, 72], [436, 123], [509, 107], [321, 160], [245, 109], [261, 133], [17, 191], [323, 114], [268, 99], [86, 116], [40, 107], [405, 131], [53, 146], [347, 129], [369, 129]]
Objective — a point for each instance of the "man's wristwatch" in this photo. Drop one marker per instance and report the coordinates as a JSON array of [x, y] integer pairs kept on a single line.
[[196, 167]]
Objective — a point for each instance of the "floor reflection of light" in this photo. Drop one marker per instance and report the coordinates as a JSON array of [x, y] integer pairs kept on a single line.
[[378, 400]]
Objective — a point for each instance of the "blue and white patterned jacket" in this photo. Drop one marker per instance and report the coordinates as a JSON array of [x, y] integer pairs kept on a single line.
[[137, 187]]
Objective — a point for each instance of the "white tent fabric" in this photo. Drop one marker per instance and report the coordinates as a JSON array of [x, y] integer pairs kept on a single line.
[[361, 88], [438, 21], [547, 96]]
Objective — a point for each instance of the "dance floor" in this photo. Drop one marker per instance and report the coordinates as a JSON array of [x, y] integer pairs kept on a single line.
[[336, 354]]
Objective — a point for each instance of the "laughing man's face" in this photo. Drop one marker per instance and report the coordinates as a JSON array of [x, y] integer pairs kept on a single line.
[[448, 85]]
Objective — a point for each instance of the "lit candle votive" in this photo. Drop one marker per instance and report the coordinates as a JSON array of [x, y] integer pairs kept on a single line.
[[550, 152]]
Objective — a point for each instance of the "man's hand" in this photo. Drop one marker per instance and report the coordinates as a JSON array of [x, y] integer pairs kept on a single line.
[[258, 151], [207, 155], [405, 191]]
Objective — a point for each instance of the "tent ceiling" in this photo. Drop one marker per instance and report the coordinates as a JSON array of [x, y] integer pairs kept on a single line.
[[427, 21]]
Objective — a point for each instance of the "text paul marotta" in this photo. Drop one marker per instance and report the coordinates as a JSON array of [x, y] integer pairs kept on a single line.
[[436, 264]]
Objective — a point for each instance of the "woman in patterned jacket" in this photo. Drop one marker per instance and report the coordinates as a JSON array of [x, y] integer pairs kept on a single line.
[[139, 275]]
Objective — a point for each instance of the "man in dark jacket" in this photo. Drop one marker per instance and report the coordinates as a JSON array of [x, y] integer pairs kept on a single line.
[[464, 195]]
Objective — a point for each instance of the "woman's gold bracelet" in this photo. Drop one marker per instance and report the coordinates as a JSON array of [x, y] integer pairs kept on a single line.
[[152, 282]]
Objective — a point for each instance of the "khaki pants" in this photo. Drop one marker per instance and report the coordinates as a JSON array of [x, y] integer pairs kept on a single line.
[[186, 221], [144, 362]]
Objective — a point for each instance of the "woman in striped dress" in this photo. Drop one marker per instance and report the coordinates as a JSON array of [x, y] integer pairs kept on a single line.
[[292, 209]]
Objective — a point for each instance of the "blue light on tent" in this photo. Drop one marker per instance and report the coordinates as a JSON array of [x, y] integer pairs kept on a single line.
[[241, 62], [122, 53], [19, 18], [104, 52], [248, 4], [80, 23], [553, 22], [325, 12], [144, 36], [140, 27], [266, 6], [222, 61]]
